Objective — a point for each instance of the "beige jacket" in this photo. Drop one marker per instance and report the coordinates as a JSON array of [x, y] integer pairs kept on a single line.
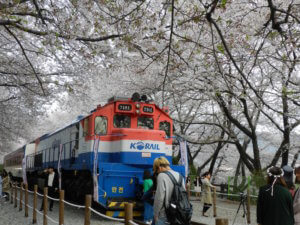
[[206, 188], [5, 184]]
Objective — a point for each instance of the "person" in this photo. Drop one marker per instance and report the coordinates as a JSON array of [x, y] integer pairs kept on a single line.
[[5, 185], [52, 184], [288, 178], [0, 185], [296, 202], [188, 185], [197, 185], [223, 187], [275, 203], [206, 197], [148, 208], [164, 189]]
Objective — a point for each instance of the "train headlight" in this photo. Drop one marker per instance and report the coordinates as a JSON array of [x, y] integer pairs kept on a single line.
[[137, 105], [138, 111]]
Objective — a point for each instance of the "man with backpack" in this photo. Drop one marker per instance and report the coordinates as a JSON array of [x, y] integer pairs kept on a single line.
[[171, 204]]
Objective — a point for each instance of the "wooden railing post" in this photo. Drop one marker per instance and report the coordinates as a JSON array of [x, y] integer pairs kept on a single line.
[[128, 213], [248, 206], [215, 202], [16, 194], [45, 206], [21, 197], [26, 200], [61, 206], [12, 193], [220, 221], [88, 203], [34, 204]]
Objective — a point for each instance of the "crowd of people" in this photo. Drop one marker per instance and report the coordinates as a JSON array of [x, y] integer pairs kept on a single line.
[[278, 201]]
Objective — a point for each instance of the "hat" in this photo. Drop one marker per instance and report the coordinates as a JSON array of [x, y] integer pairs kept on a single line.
[[288, 174], [276, 173]]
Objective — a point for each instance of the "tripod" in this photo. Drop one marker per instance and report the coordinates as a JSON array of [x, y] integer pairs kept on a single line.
[[242, 203]]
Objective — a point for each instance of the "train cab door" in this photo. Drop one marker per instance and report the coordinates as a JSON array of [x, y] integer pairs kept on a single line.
[[100, 129], [74, 143]]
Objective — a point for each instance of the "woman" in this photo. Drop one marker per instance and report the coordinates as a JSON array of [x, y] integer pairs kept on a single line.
[[206, 197], [5, 184], [296, 204], [275, 203], [148, 208]]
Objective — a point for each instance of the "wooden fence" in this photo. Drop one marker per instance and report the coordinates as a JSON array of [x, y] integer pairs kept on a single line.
[[128, 220]]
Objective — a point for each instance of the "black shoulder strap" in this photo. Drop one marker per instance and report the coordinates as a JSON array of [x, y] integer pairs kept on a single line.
[[173, 178]]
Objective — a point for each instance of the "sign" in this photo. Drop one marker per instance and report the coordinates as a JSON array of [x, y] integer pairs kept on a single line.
[[59, 165], [144, 146], [95, 175], [147, 109], [124, 107], [184, 156], [24, 170], [146, 154]]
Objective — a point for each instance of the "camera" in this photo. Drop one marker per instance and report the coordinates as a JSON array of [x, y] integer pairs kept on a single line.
[[243, 196]]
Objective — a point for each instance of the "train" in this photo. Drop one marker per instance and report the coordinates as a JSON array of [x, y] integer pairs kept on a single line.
[[103, 153]]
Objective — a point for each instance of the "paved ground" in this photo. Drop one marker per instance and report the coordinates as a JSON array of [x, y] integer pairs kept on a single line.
[[73, 216]]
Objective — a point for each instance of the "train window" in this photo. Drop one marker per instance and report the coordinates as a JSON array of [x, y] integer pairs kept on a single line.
[[122, 121], [145, 122], [165, 126], [100, 125]]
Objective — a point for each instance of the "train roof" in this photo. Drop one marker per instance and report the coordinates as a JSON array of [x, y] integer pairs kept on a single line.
[[21, 149], [77, 120], [135, 98]]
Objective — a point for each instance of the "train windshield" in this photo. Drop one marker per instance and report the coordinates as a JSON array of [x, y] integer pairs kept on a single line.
[[165, 126], [100, 125], [121, 121], [145, 122]]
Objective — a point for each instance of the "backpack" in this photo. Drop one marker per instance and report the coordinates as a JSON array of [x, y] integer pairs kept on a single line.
[[180, 209]]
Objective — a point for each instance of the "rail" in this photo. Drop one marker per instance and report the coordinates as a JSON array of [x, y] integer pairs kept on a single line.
[[128, 220]]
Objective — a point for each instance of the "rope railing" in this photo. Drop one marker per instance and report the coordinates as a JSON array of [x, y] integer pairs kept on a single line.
[[105, 216], [224, 194], [128, 220], [52, 220], [54, 199], [74, 205], [132, 222], [61, 200], [27, 205]]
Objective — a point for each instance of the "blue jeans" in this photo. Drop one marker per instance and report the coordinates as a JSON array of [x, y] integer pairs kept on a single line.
[[162, 221], [148, 211]]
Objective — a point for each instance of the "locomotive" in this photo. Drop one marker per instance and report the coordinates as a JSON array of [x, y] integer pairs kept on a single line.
[[104, 153]]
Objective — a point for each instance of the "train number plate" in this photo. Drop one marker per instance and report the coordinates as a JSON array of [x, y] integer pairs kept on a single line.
[[146, 154]]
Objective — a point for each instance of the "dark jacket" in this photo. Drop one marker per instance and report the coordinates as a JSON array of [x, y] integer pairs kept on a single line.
[[45, 176], [55, 180], [276, 209]]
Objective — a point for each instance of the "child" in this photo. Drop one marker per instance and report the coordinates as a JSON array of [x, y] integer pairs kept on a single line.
[[148, 208]]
